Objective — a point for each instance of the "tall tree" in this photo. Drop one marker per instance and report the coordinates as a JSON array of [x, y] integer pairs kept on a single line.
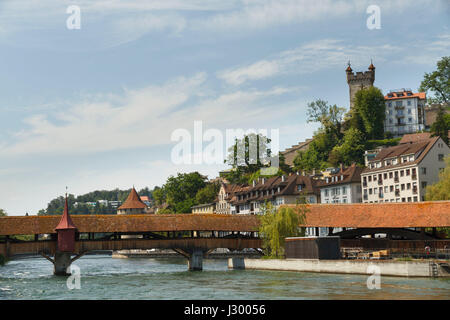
[[250, 153], [442, 124], [329, 116], [438, 82], [369, 112]]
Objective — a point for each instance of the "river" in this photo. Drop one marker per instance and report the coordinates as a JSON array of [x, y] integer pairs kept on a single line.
[[103, 277]]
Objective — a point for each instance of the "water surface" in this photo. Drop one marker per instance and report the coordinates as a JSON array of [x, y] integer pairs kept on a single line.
[[103, 277]]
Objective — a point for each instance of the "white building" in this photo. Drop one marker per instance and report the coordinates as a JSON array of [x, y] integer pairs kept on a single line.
[[401, 173], [405, 112], [342, 185]]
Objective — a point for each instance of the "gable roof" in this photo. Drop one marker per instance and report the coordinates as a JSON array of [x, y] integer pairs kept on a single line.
[[349, 174], [133, 201], [420, 148], [415, 137]]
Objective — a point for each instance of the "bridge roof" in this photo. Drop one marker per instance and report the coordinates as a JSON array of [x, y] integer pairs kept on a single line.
[[380, 215]]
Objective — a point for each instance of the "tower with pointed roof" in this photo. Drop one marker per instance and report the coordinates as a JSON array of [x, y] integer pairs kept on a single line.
[[133, 204], [359, 80], [66, 231]]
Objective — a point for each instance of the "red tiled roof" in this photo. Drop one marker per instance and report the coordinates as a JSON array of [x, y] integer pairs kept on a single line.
[[350, 174], [395, 95], [65, 222], [415, 137], [133, 201]]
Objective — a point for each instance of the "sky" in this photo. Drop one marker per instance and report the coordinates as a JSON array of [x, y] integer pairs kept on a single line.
[[95, 107]]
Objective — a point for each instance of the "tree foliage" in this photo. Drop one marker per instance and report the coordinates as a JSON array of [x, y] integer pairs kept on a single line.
[[3, 213], [276, 225], [250, 153], [442, 124], [368, 113], [351, 150], [441, 189], [438, 82]]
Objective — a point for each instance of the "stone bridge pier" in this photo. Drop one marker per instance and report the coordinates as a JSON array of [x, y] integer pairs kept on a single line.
[[194, 257]]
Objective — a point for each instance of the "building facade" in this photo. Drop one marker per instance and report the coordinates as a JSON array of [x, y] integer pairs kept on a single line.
[[205, 208], [401, 173], [341, 185], [275, 190], [405, 112]]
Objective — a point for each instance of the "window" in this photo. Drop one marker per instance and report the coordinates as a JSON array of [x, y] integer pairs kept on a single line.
[[409, 119], [424, 170], [424, 184], [408, 186], [409, 103], [385, 175], [391, 188], [440, 157], [344, 190], [326, 192], [402, 173], [390, 175], [370, 178], [403, 186], [407, 172], [386, 189], [299, 187]]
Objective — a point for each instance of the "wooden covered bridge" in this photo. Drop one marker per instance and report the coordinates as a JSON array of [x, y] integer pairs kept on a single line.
[[234, 232]]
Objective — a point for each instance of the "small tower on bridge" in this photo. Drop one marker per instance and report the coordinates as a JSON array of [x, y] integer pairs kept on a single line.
[[66, 231], [66, 243]]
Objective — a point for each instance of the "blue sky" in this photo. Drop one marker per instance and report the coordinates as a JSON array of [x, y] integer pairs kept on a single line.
[[94, 108]]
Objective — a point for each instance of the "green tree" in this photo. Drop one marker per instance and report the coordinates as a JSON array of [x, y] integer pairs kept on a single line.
[[438, 82], [3, 213], [351, 150], [316, 156], [441, 189], [442, 124], [208, 193], [330, 116], [250, 153], [276, 225], [179, 192], [369, 113]]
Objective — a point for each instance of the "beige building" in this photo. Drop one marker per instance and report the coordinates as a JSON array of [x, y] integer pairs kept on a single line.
[[401, 173], [290, 153], [204, 208]]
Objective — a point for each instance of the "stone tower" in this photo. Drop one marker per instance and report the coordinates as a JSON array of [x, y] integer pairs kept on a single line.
[[359, 80]]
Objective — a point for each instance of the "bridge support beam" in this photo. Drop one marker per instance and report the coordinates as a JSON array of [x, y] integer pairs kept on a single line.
[[236, 263], [61, 263], [195, 262]]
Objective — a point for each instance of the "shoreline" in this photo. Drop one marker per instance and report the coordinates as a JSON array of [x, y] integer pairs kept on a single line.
[[418, 269]]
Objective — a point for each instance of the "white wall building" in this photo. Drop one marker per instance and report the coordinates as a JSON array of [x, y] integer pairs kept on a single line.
[[343, 185], [401, 173], [405, 112]]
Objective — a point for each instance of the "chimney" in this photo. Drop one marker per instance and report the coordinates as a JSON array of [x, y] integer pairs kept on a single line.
[[341, 166], [283, 178]]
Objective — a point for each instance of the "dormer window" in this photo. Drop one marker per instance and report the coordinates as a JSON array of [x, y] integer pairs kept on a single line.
[[299, 187]]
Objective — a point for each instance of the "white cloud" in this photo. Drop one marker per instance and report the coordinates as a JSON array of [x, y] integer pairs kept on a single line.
[[307, 58], [151, 114]]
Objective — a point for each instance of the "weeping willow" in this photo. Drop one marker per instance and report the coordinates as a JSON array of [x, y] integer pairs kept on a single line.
[[276, 225]]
